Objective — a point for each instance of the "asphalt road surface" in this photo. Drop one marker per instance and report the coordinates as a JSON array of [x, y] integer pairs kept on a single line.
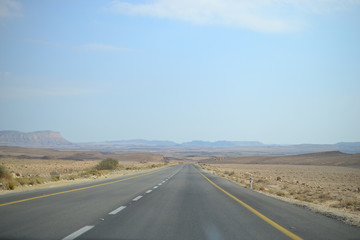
[[175, 202]]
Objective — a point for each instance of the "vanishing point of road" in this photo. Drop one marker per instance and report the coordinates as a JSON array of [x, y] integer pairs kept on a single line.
[[175, 202]]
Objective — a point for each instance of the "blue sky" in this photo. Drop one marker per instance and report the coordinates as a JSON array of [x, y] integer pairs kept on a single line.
[[276, 71]]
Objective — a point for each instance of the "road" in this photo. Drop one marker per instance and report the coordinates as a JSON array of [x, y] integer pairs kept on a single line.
[[175, 202]]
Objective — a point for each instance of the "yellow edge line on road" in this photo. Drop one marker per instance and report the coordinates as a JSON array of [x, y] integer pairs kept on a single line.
[[77, 189], [266, 219]]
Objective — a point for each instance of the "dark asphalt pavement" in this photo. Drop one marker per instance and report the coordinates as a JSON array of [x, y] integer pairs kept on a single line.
[[175, 202]]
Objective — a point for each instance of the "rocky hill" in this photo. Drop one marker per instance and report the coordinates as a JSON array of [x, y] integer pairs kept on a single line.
[[32, 139]]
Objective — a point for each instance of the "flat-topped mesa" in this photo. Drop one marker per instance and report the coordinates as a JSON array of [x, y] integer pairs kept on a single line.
[[35, 139]]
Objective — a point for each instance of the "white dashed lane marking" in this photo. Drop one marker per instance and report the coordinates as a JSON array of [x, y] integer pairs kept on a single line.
[[87, 228], [137, 198], [78, 233], [117, 210]]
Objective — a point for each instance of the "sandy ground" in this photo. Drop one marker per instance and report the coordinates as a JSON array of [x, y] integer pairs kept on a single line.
[[69, 172], [80, 155], [333, 191], [334, 158], [60, 183], [43, 168]]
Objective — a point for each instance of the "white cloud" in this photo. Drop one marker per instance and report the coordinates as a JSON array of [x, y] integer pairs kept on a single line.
[[10, 8], [259, 15]]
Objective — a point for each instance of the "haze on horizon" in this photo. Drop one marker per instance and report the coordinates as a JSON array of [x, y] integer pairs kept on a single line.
[[282, 72]]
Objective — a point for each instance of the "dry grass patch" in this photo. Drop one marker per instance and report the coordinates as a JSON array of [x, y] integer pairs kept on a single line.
[[6, 179], [18, 173]]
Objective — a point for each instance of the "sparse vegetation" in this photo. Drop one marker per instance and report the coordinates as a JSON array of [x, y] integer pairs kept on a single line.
[[4, 172], [71, 177], [55, 176], [324, 197], [280, 193], [30, 172], [30, 180], [229, 173], [24, 181], [351, 204], [326, 186], [107, 164], [261, 181], [7, 180]]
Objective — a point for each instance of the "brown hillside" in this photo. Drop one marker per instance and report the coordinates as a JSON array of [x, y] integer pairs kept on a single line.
[[333, 158], [39, 153]]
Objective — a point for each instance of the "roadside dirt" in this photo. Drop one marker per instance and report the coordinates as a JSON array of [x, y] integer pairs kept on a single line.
[[41, 173], [332, 191], [60, 183]]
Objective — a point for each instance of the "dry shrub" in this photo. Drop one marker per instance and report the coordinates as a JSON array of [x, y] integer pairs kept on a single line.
[[325, 196], [107, 164], [24, 181], [303, 198], [7, 180], [263, 181], [31, 180], [90, 173], [229, 173], [281, 194], [71, 177], [352, 204], [9, 184], [55, 176], [4, 173]]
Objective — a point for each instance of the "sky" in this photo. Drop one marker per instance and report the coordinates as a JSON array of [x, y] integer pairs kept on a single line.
[[275, 71]]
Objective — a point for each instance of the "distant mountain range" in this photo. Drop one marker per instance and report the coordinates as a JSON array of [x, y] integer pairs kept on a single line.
[[51, 139], [222, 144], [197, 143], [33, 139]]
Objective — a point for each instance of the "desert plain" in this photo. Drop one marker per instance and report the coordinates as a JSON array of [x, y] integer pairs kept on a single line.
[[328, 183], [41, 168]]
